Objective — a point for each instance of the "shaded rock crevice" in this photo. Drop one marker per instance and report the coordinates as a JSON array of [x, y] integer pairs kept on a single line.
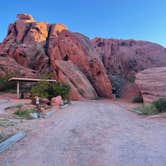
[[26, 32], [47, 41], [15, 29]]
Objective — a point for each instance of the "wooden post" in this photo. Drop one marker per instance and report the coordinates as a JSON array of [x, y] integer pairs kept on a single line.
[[18, 89]]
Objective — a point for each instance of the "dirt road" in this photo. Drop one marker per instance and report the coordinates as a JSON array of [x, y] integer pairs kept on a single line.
[[96, 133]]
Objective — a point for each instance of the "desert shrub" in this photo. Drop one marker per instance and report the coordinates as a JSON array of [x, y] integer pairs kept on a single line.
[[148, 109], [24, 113], [6, 85], [40, 89], [131, 78], [58, 89], [48, 90], [137, 99], [45, 89], [160, 104]]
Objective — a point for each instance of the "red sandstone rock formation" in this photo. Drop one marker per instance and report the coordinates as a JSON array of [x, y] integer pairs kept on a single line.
[[124, 58], [78, 49], [130, 91], [37, 46], [9, 66], [152, 83], [69, 73], [25, 17], [32, 48], [127, 57]]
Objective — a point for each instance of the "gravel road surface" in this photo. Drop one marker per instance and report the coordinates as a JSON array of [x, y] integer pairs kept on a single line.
[[91, 133]]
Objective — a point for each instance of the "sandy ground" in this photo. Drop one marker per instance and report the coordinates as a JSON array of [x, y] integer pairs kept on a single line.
[[93, 133], [10, 123], [8, 99]]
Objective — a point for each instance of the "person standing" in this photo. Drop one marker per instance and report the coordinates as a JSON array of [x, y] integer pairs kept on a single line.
[[114, 93]]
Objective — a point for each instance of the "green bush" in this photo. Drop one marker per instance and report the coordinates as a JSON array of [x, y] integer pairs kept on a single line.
[[137, 99], [58, 89], [131, 78], [6, 85], [160, 104], [24, 113], [156, 107], [148, 109], [48, 90], [40, 89]]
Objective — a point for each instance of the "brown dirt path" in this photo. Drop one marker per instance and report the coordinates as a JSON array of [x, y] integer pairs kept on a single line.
[[93, 133]]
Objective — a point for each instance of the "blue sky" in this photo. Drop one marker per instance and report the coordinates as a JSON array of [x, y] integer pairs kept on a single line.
[[125, 19]]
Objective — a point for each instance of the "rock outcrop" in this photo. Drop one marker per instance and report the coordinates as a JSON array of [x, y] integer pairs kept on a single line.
[[52, 48], [130, 91], [78, 49], [152, 83], [25, 17], [127, 57], [124, 58], [89, 66], [9, 66], [69, 73]]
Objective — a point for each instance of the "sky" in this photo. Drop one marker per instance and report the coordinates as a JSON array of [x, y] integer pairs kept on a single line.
[[122, 19]]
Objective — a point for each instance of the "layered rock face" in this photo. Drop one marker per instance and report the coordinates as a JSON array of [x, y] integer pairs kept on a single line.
[[127, 57], [152, 83], [124, 58], [80, 85], [9, 66], [39, 48], [24, 43], [34, 48], [78, 49]]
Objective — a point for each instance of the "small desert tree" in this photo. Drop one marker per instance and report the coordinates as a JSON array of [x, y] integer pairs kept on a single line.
[[48, 90], [45, 89], [5, 85]]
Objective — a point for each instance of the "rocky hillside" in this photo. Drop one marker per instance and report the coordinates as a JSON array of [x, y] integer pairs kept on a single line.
[[89, 66], [127, 57], [122, 59], [39, 48]]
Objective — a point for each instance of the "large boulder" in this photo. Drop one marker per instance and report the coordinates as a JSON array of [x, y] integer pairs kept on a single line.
[[78, 49], [25, 16], [69, 73], [152, 83]]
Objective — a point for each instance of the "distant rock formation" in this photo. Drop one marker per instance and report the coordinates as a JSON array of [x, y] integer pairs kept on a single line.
[[127, 57], [124, 58]]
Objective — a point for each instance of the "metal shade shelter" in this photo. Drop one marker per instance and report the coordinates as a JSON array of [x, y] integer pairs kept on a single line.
[[27, 80]]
